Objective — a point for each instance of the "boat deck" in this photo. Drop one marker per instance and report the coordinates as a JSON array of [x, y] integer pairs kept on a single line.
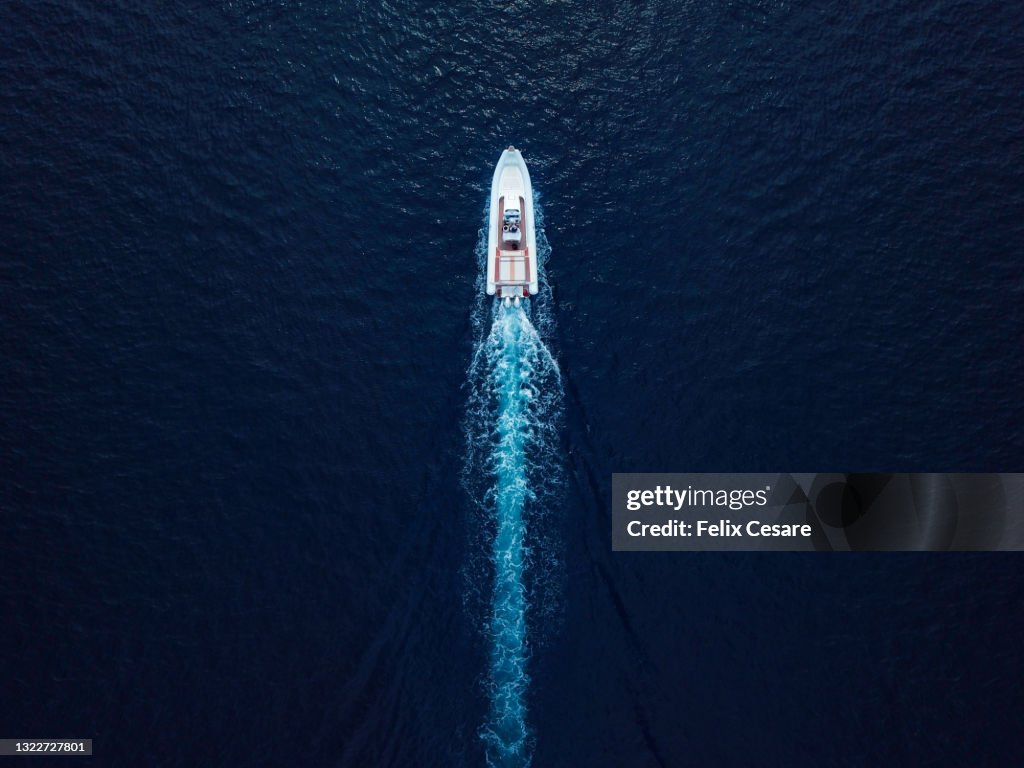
[[512, 260]]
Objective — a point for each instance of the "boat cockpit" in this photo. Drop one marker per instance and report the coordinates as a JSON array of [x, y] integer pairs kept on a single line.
[[511, 232]]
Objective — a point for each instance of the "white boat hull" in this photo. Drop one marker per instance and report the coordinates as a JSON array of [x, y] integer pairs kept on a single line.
[[511, 255]]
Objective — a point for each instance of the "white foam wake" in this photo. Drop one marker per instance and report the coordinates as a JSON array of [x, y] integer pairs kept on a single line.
[[513, 475]]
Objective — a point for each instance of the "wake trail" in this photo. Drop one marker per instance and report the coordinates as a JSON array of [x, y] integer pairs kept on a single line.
[[513, 475]]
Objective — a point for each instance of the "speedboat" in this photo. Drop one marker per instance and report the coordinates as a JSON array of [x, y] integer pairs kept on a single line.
[[512, 233]]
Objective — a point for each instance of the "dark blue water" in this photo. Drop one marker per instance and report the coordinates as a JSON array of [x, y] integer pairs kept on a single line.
[[239, 303]]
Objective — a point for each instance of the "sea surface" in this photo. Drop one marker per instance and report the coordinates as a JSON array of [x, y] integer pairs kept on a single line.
[[250, 500]]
